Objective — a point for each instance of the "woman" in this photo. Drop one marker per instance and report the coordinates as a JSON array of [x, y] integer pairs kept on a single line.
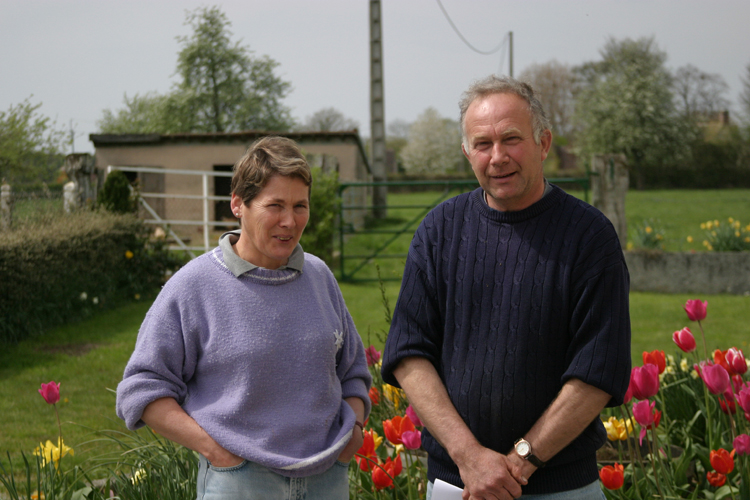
[[249, 356]]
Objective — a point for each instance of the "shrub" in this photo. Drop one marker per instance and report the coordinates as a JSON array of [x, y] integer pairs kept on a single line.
[[115, 195], [63, 268], [324, 208]]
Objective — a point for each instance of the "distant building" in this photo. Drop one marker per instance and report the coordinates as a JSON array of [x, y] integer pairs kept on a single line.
[[217, 152]]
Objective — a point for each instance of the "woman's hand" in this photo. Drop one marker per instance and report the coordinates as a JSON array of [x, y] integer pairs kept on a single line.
[[355, 443], [223, 458]]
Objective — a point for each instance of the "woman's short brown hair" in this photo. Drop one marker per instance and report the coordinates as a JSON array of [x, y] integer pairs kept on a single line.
[[265, 158]]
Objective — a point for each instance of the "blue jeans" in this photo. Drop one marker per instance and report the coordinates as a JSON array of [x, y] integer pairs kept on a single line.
[[590, 492], [250, 481]]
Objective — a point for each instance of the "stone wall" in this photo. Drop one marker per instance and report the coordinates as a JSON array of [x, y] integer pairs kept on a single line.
[[680, 272]]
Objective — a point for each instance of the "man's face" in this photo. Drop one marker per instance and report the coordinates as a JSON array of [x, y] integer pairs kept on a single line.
[[501, 149]]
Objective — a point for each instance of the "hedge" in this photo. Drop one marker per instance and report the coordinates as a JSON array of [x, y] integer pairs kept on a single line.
[[65, 267]]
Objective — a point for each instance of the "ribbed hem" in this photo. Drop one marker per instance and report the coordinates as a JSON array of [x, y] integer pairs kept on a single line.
[[564, 477]]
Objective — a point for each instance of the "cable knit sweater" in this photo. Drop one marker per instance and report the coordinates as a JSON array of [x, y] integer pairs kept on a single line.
[[508, 306], [262, 361]]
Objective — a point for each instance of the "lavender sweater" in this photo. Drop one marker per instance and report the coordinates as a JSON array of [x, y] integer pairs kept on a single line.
[[262, 361]]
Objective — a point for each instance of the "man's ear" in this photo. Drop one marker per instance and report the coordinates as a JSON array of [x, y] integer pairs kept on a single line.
[[545, 141], [463, 149]]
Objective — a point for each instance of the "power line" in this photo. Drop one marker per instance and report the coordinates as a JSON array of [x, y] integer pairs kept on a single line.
[[502, 43]]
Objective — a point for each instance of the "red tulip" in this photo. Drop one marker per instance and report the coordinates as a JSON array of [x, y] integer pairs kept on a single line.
[[50, 392], [716, 479], [655, 358], [382, 475], [728, 406], [612, 476], [736, 361], [741, 444], [644, 381], [374, 395], [722, 461], [716, 378], [413, 416], [368, 458], [684, 339], [395, 427], [696, 310], [372, 355]]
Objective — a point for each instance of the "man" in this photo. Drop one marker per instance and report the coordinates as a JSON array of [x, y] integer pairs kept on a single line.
[[512, 331]]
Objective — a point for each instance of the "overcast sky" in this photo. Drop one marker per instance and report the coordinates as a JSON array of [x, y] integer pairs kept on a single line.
[[80, 57]]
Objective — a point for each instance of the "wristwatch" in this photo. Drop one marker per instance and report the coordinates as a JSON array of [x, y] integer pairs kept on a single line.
[[523, 448]]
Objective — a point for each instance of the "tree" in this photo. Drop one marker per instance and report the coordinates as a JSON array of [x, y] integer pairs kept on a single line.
[[31, 148], [554, 83], [222, 88], [699, 94], [434, 145], [626, 106], [145, 114], [328, 120]]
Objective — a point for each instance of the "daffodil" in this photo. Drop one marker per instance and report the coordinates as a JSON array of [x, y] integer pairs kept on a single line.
[[689, 239], [128, 254], [51, 453], [138, 475], [684, 366]]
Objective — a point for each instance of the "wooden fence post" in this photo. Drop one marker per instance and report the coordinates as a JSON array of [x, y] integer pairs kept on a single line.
[[609, 185], [6, 207]]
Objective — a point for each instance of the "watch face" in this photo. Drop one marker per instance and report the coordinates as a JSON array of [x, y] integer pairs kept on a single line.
[[523, 448]]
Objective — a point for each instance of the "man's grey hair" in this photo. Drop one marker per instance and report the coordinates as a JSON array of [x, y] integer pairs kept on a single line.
[[504, 85]]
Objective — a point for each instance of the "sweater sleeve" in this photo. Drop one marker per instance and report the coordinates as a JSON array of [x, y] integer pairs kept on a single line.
[[416, 330], [159, 366], [351, 367], [599, 352]]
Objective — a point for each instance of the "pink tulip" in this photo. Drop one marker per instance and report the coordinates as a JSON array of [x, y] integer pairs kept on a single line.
[[736, 361], [716, 378], [50, 392], [696, 310], [684, 339], [741, 444], [413, 416], [645, 381], [372, 355], [411, 439], [646, 416], [744, 399]]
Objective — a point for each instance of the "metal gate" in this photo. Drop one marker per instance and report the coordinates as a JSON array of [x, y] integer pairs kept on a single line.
[[352, 263]]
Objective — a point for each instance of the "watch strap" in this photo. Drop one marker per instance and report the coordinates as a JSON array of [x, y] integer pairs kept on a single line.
[[534, 460]]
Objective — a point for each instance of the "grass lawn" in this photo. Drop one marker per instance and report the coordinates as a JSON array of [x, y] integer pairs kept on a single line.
[[88, 357]]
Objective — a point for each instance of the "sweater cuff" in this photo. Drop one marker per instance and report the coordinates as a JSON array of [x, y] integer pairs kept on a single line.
[[357, 388]]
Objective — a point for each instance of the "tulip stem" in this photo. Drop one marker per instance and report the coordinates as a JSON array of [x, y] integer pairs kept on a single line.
[[59, 429], [703, 335]]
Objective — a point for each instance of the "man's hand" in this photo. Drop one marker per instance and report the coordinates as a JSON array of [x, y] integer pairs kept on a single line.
[[486, 475]]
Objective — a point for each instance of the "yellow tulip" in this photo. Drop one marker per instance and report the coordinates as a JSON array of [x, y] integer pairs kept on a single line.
[[51, 453], [618, 429], [689, 239], [128, 254], [394, 395]]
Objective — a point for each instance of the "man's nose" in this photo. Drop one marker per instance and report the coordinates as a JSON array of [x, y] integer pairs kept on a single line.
[[499, 153]]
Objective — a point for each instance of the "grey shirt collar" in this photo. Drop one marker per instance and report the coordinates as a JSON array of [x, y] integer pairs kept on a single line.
[[239, 266]]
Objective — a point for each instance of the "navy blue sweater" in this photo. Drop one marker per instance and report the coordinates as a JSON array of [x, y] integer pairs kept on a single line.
[[509, 306]]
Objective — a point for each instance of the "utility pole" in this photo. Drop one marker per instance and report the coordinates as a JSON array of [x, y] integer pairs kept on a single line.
[[377, 111], [510, 50]]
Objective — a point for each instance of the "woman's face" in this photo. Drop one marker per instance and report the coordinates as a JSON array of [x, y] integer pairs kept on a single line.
[[273, 222]]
